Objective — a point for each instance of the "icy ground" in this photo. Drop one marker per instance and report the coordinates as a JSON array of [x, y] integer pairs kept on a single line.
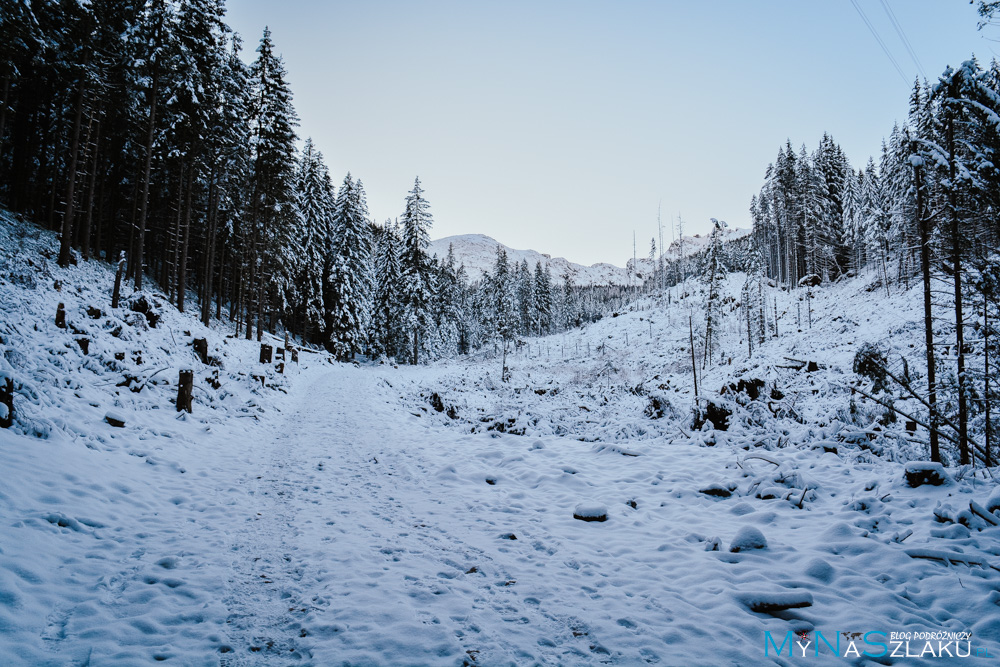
[[333, 515]]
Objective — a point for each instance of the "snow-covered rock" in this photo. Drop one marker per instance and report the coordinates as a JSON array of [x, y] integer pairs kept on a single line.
[[748, 538], [590, 512], [115, 418]]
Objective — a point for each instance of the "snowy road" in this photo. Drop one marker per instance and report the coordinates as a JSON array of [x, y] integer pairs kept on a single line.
[[349, 549], [347, 530], [374, 536]]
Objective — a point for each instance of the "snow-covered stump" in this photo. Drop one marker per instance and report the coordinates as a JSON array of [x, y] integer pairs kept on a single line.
[[590, 512], [6, 399], [184, 385], [919, 473], [201, 349], [265, 353], [61, 316]]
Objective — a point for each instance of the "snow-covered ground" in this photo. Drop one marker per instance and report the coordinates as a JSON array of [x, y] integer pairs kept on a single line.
[[371, 515]]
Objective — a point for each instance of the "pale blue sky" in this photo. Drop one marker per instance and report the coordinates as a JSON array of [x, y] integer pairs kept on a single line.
[[559, 126]]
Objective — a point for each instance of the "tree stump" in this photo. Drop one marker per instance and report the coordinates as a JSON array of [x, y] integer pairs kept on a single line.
[[280, 353], [61, 316], [84, 344], [280, 367], [184, 385], [201, 349], [265, 353], [295, 355], [6, 400]]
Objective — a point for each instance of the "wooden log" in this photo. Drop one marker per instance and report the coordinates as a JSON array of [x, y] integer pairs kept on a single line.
[[61, 316], [981, 512], [201, 349], [184, 384], [265, 353], [6, 400]]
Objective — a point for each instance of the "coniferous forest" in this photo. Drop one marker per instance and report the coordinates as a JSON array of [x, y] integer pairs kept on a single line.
[[137, 131], [244, 422]]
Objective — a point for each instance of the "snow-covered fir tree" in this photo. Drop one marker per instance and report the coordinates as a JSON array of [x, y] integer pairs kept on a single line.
[[416, 269], [349, 284]]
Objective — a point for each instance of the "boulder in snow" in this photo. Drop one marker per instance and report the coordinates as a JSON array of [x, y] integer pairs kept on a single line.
[[590, 512], [116, 419], [748, 538]]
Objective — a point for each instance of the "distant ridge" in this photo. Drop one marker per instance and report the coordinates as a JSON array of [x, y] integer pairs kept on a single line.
[[478, 253]]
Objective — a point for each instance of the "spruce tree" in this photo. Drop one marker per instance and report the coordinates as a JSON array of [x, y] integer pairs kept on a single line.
[[416, 277], [348, 288], [271, 216]]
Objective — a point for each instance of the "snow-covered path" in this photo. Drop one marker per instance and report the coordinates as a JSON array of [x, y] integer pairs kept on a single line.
[[375, 536], [348, 551], [347, 530]]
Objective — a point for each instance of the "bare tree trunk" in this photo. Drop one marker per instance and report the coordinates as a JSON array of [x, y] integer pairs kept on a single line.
[[956, 260], [209, 268], [88, 225], [138, 253], [925, 269], [182, 270], [3, 108], [986, 374], [66, 233], [172, 257]]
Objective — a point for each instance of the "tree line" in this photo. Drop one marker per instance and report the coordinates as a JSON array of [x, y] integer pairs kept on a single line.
[[136, 130], [926, 211]]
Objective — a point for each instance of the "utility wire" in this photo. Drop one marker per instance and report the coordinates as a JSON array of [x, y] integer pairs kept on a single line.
[[878, 39], [902, 36]]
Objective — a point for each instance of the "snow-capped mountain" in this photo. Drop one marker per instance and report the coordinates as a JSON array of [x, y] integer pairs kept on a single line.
[[478, 253]]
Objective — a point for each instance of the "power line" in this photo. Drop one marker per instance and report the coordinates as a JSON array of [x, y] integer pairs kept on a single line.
[[902, 37], [878, 39]]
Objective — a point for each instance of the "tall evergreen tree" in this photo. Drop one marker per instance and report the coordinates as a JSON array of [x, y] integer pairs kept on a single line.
[[416, 277], [348, 287], [272, 120]]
